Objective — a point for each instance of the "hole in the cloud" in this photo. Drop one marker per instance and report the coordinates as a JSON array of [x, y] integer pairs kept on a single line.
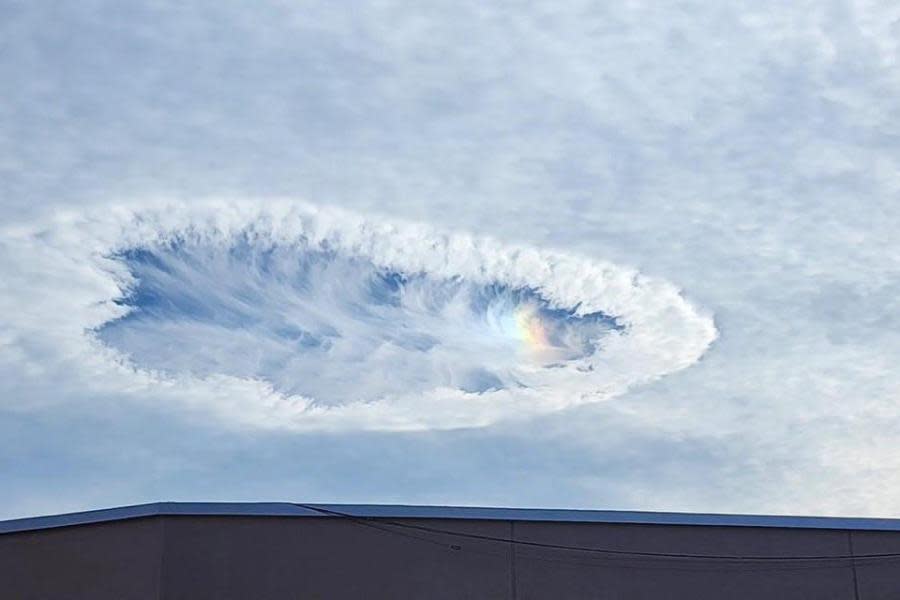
[[336, 327]]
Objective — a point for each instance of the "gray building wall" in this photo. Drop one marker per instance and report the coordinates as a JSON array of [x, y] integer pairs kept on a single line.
[[172, 557]]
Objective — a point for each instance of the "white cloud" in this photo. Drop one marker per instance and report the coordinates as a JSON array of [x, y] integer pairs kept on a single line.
[[746, 152]]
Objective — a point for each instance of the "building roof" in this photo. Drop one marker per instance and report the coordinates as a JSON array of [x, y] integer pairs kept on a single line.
[[398, 511]]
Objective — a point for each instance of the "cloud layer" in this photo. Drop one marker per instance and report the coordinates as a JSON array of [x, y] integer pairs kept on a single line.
[[746, 152]]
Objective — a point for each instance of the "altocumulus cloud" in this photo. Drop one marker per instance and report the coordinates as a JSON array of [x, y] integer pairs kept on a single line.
[[290, 316], [745, 152]]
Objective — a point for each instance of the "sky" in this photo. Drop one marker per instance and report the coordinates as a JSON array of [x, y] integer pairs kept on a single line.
[[624, 255]]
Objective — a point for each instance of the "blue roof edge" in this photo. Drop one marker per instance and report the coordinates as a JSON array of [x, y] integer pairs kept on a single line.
[[400, 511]]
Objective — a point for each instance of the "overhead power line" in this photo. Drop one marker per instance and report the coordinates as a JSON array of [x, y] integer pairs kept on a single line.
[[380, 522]]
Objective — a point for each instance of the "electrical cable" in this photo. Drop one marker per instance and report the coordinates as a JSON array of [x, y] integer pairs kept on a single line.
[[371, 521]]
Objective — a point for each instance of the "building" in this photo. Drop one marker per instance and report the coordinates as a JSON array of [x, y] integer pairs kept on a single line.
[[223, 551]]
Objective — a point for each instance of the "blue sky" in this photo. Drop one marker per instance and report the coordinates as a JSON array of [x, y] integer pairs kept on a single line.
[[722, 179]]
